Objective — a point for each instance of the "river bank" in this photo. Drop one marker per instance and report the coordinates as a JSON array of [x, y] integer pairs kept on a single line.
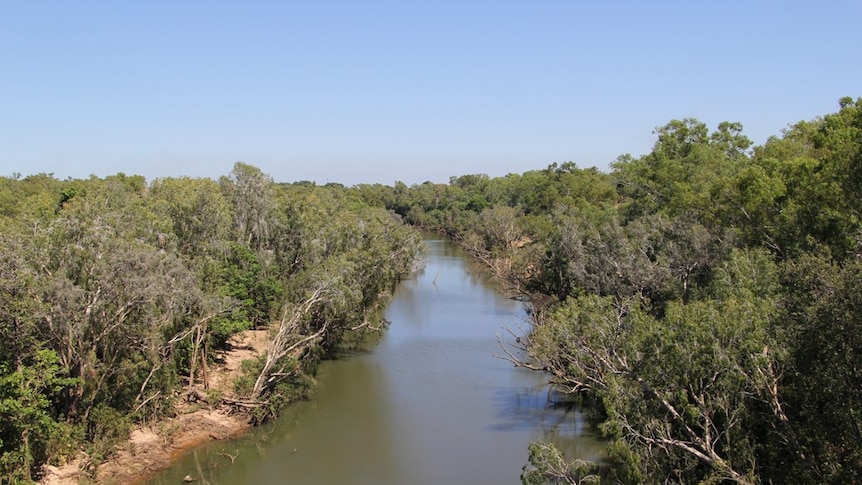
[[153, 448], [427, 403]]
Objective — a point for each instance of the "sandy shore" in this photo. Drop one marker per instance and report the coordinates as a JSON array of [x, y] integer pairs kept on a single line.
[[152, 449]]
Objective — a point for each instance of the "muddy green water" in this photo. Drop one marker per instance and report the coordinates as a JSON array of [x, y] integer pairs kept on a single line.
[[428, 404]]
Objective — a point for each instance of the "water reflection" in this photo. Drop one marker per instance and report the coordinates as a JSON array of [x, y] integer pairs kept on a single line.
[[429, 404]]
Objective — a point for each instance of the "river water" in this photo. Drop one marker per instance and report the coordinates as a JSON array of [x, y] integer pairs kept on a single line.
[[428, 404]]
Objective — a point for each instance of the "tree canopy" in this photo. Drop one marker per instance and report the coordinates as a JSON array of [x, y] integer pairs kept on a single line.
[[115, 294], [700, 299]]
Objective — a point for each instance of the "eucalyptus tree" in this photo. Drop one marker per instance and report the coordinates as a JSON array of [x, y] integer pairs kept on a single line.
[[200, 215], [823, 383], [677, 394], [341, 261], [494, 240], [20, 302], [252, 195], [113, 293], [90, 290], [29, 428], [814, 167], [548, 465], [686, 171], [34, 197]]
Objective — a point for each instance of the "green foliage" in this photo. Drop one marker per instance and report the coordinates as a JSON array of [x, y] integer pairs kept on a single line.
[[257, 294], [35, 197], [689, 172], [199, 213], [296, 386], [824, 389], [703, 296], [547, 466], [106, 429], [817, 163], [244, 383], [28, 427], [115, 294], [675, 390], [250, 192]]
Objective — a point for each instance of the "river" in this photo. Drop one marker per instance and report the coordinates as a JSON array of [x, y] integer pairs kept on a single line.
[[427, 404]]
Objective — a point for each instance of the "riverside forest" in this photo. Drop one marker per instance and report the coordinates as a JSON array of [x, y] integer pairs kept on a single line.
[[702, 303]]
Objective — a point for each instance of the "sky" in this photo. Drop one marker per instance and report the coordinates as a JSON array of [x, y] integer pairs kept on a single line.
[[383, 91]]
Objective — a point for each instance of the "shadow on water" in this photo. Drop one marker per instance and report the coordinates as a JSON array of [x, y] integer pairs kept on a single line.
[[562, 422], [428, 403], [528, 408]]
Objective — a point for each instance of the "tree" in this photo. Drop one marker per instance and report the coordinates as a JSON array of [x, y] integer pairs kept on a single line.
[[548, 466], [824, 387], [687, 172], [814, 165], [678, 138], [342, 261], [250, 191], [677, 394], [295, 334], [593, 253], [27, 423], [20, 304], [111, 294], [729, 139], [201, 217]]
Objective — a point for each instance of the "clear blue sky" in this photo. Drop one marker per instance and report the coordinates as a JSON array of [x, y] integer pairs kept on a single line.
[[379, 91]]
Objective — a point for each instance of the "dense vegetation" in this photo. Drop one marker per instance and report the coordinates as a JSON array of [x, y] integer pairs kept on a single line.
[[703, 300], [116, 294]]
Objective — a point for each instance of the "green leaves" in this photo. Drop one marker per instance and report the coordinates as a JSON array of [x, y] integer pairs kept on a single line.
[[250, 191], [548, 466], [657, 294], [687, 173], [680, 389], [824, 389], [199, 213], [27, 425], [130, 287]]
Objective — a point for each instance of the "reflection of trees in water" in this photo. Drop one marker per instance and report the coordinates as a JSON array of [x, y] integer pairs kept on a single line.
[[558, 419]]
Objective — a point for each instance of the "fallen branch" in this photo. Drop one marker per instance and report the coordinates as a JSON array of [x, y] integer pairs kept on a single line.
[[232, 458], [287, 331], [243, 403]]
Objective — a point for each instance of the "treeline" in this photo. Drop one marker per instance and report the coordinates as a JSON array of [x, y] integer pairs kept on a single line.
[[115, 296], [703, 300]]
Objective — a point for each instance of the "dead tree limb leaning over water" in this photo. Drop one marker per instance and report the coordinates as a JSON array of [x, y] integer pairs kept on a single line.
[[289, 337]]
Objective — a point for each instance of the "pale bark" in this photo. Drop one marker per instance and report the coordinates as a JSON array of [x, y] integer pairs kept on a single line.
[[289, 338]]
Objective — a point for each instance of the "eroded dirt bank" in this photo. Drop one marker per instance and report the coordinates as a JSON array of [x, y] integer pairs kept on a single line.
[[155, 447]]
